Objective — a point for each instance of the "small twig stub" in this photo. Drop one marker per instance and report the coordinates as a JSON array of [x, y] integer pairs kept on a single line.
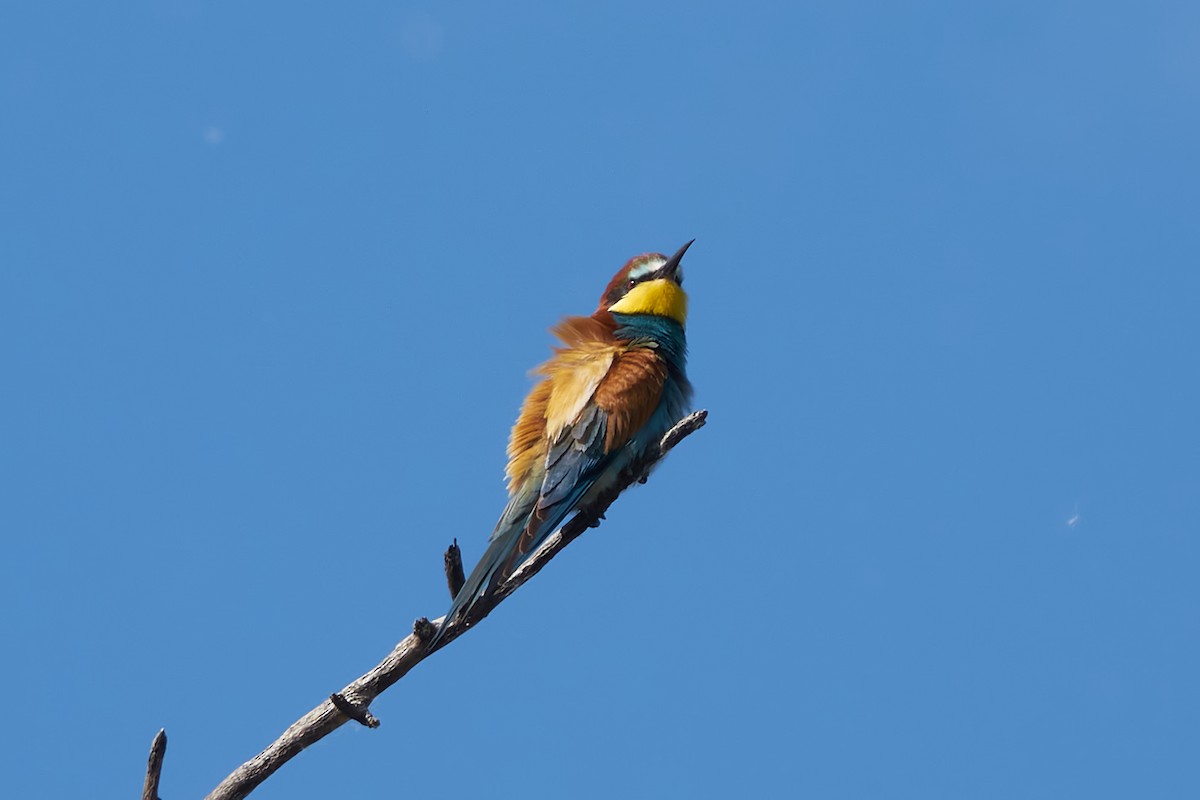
[[358, 713], [158, 750], [455, 577]]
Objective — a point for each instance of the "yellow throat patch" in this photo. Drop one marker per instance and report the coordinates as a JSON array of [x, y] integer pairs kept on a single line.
[[660, 297]]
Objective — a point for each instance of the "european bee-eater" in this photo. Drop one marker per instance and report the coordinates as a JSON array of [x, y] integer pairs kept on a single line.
[[607, 396]]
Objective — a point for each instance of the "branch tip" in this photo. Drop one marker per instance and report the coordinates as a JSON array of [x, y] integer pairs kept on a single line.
[[158, 749], [681, 430], [455, 578]]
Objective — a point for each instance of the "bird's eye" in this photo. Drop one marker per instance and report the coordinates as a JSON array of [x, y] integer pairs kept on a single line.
[[632, 283]]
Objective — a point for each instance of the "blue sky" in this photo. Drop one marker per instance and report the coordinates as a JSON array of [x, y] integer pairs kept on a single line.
[[271, 279]]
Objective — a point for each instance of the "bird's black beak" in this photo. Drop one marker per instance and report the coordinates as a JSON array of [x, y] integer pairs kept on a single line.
[[671, 270]]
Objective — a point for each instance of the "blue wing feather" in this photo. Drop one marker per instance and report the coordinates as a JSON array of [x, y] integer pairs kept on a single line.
[[574, 462]]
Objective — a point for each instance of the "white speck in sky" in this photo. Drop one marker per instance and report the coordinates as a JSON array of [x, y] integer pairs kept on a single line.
[[1074, 520], [213, 135]]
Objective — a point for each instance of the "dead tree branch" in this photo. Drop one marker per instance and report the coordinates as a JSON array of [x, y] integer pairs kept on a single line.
[[158, 749], [353, 702]]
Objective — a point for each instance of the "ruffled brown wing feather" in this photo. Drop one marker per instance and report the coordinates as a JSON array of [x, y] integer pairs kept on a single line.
[[629, 394]]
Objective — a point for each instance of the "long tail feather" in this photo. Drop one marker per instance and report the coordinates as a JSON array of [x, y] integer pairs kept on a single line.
[[513, 541]]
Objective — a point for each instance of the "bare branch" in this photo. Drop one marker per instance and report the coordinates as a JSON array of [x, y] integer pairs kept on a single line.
[[359, 694], [158, 749]]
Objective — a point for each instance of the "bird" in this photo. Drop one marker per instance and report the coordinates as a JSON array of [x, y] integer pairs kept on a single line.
[[610, 392]]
